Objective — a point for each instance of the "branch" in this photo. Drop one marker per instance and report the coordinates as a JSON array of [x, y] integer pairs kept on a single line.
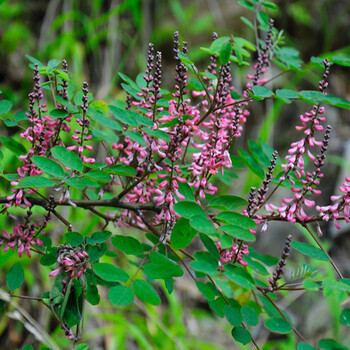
[[283, 316], [86, 203], [321, 247]]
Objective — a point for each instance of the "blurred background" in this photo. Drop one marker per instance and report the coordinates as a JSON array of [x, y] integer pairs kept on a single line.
[[100, 38]]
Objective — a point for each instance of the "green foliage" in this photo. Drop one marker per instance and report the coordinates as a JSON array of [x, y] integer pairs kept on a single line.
[[15, 277], [236, 281]]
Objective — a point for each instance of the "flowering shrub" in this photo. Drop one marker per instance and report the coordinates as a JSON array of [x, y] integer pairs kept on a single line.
[[154, 164]]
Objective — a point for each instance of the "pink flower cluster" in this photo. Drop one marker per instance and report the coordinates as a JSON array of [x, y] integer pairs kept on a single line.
[[72, 261], [80, 136], [293, 209], [22, 237], [340, 207], [233, 254], [42, 133]]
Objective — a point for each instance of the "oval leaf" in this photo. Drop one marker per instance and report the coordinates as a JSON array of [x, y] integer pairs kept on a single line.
[[121, 295], [241, 335], [310, 250], [145, 292], [73, 238], [99, 237], [48, 165], [188, 209], [67, 158], [238, 232], [35, 181], [128, 245], [15, 277], [278, 325], [110, 273]]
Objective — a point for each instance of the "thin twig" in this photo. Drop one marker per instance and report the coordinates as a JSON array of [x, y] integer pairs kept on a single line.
[[321, 247], [283, 316]]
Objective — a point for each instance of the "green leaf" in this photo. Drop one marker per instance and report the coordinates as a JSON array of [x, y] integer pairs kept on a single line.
[[330, 344], [106, 121], [184, 58], [161, 267], [110, 273], [270, 5], [345, 317], [205, 262], [48, 165], [287, 94], [241, 335], [228, 202], [207, 289], [182, 234], [35, 181], [99, 176], [250, 317], [247, 22], [258, 153], [5, 106], [124, 116], [311, 96], [309, 284], [99, 237], [122, 169], [255, 265], [74, 238], [247, 4], [186, 191], [67, 158], [310, 250], [10, 123], [128, 245], [91, 294], [208, 75], [230, 217], [145, 292], [121, 295], [202, 224], [158, 133], [14, 146], [218, 305], [238, 232], [263, 19], [225, 53], [251, 163], [335, 101], [261, 91], [80, 182], [59, 113], [278, 325], [28, 347], [71, 108], [48, 259], [239, 276], [15, 277], [342, 61], [81, 347], [129, 81], [233, 315], [210, 245], [188, 209], [169, 284], [305, 346], [135, 136]]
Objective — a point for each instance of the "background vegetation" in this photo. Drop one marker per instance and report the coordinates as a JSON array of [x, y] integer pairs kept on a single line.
[[101, 38]]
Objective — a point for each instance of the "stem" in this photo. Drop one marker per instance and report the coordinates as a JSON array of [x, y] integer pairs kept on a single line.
[[84, 203], [321, 247], [24, 297], [283, 316]]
